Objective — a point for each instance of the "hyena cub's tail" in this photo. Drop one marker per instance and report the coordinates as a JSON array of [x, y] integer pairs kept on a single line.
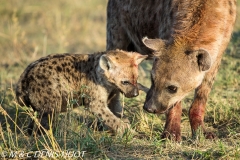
[[21, 90], [21, 95]]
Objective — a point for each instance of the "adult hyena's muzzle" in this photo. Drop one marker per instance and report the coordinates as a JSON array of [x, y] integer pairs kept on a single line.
[[152, 105]]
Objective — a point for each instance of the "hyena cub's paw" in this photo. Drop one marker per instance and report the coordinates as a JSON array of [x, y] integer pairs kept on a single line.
[[125, 120], [125, 127]]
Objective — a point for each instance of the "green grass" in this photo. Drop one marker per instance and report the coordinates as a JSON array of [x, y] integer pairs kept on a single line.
[[32, 29]]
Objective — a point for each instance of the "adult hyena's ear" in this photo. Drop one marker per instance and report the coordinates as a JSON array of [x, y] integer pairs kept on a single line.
[[105, 63], [157, 45], [204, 60], [139, 58]]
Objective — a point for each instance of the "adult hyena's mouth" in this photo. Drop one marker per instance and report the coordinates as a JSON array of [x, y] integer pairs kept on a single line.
[[151, 107]]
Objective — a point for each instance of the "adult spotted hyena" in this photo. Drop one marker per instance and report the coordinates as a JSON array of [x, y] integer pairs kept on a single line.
[[187, 40], [47, 84]]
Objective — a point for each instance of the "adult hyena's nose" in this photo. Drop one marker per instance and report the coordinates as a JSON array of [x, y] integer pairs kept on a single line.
[[149, 107]]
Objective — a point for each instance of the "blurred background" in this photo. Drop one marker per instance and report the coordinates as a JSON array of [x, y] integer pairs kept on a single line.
[[32, 29]]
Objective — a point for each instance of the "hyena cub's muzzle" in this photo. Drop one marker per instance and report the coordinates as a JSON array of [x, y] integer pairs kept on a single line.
[[132, 92]]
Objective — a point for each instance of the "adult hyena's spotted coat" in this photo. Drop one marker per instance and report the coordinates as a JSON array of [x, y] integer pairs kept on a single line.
[[188, 38], [47, 84]]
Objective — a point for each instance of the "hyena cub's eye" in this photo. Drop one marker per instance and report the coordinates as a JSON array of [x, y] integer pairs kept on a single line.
[[125, 82], [172, 89]]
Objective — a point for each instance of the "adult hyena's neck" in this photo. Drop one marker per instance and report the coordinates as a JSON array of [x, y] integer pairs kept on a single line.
[[204, 24]]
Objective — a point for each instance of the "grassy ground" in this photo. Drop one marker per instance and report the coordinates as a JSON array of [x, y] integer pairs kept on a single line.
[[32, 29]]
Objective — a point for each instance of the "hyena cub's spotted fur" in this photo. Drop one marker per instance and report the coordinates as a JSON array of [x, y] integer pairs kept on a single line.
[[47, 83]]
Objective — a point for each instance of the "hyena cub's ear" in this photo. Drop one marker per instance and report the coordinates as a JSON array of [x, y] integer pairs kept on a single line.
[[139, 58], [105, 63]]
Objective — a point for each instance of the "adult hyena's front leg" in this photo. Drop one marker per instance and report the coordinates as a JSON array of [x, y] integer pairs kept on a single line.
[[117, 37], [197, 110], [172, 128]]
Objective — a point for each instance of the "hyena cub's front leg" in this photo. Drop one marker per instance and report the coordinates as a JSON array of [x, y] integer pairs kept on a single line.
[[100, 108], [114, 104], [44, 119]]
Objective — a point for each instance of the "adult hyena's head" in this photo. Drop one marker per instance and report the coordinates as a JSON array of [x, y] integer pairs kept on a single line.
[[176, 71], [120, 69]]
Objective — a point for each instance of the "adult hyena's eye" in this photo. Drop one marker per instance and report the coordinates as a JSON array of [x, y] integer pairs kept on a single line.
[[172, 89], [125, 82]]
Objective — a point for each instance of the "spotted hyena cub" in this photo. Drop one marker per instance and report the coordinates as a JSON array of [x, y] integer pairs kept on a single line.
[[47, 84]]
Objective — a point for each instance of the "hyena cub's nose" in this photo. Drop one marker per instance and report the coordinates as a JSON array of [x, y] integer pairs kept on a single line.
[[135, 92]]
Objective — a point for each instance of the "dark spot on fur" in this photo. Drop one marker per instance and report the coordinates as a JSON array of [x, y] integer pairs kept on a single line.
[[49, 92], [103, 112], [188, 52], [114, 120], [108, 120], [59, 69], [38, 89], [99, 115], [50, 67], [23, 81], [89, 60], [68, 70], [40, 77], [49, 82], [54, 62], [31, 78]]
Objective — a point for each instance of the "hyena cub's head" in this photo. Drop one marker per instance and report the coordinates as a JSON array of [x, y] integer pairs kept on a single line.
[[120, 69], [177, 70]]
